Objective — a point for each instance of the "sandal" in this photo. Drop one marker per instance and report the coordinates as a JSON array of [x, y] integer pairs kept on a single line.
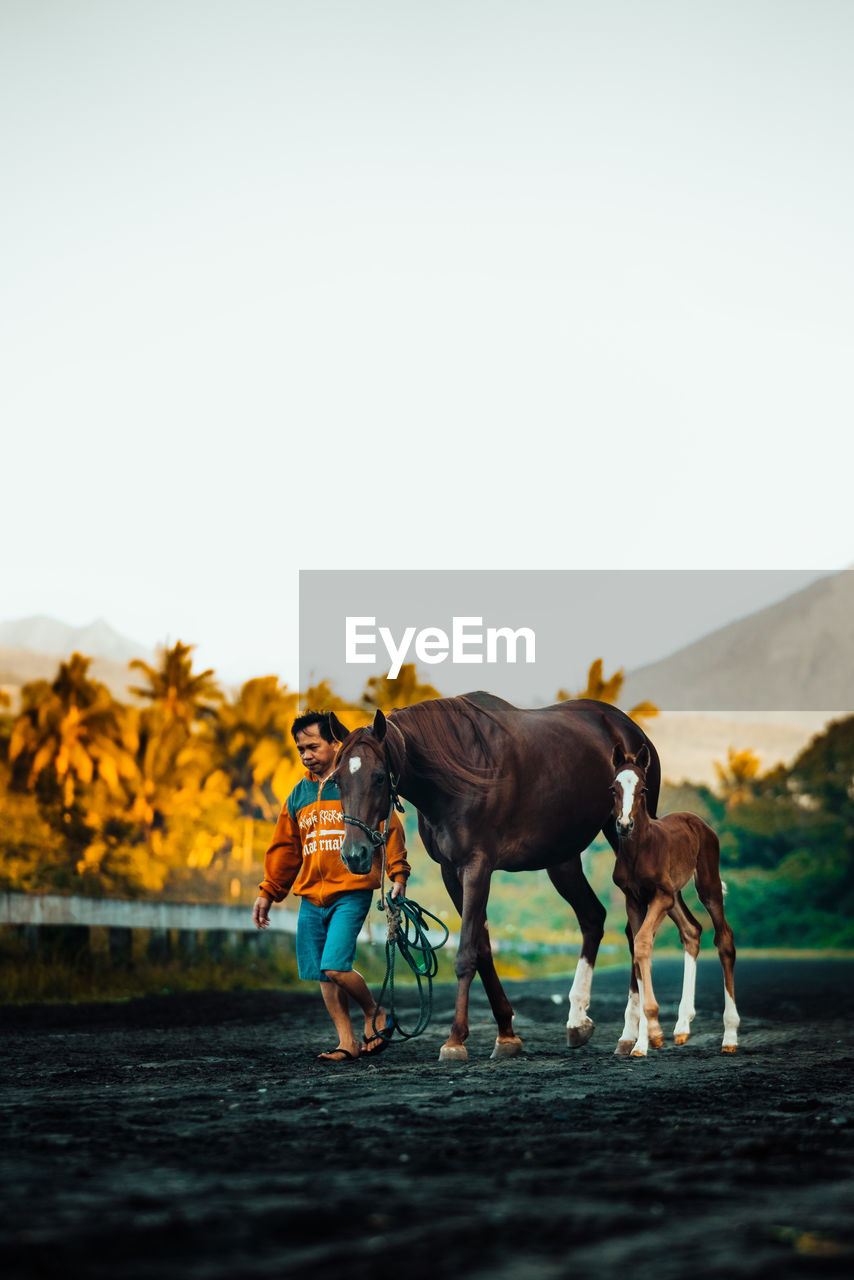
[[329, 1056], [383, 1036]]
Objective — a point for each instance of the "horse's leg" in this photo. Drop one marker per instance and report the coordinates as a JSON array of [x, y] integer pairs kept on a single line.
[[474, 878], [690, 931], [507, 1043], [649, 1032], [710, 890], [631, 1018], [571, 883], [632, 1015]]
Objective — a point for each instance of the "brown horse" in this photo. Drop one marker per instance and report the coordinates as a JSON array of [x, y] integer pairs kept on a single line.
[[656, 858], [496, 788]]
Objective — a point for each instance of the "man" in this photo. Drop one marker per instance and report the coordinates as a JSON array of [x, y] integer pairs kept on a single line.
[[305, 858]]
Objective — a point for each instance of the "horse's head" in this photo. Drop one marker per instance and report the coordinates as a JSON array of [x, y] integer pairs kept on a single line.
[[629, 786], [362, 771]]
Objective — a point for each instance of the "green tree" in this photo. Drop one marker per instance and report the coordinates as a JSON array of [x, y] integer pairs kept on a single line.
[[822, 778], [824, 770]]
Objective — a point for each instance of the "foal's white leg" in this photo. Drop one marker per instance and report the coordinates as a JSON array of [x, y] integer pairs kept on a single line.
[[631, 1022], [731, 1021], [579, 1028], [685, 1016], [642, 1043]]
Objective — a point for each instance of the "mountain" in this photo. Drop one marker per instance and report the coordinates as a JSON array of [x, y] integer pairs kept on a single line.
[[32, 648], [796, 655], [59, 639]]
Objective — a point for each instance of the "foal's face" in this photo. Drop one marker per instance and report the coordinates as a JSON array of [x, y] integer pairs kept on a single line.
[[363, 784], [629, 789]]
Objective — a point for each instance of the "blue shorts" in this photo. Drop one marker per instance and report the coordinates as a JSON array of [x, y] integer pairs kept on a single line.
[[326, 936]]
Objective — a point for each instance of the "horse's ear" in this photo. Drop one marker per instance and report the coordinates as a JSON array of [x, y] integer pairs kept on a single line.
[[642, 757], [379, 726], [618, 759], [337, 729]]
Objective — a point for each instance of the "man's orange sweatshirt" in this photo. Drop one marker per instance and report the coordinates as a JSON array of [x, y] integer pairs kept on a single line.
[[305, 855]]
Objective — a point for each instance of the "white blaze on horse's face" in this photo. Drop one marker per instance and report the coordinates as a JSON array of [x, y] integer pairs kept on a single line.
[[628, 780], [355, 764]]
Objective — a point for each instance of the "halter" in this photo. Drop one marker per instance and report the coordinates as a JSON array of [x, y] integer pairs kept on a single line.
[[377, 836]]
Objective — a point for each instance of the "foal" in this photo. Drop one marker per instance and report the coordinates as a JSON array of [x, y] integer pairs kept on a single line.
[[656, 858]]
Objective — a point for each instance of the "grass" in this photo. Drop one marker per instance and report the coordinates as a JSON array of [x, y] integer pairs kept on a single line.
[[81, 973], [64, 971]]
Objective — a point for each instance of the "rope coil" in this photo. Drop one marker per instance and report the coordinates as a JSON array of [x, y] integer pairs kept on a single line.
[[407, 933]]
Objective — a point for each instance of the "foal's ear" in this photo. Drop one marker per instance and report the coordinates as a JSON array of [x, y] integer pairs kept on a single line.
[[337, 729], [642, 757], [618, 759], [379, 726]]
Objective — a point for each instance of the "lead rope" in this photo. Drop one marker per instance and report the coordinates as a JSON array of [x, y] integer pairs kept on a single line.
[[403, 915], [406, 931]]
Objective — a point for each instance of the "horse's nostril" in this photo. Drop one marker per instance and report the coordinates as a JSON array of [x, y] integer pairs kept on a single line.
[[358, 860]]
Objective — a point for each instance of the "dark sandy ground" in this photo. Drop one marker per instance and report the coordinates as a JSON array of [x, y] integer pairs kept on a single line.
[[197, 1137]]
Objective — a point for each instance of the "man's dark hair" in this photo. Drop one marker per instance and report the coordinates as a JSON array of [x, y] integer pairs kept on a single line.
[[307, 719]]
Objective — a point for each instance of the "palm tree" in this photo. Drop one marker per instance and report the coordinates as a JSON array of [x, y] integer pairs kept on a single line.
[[253, 748], [182, 695], [172, 760], [72, 728], [608, 690], [320, 697], [739, 777], [384, 695]]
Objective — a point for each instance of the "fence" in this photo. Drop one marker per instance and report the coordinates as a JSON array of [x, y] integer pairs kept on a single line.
[[55, 922], [51, 920]]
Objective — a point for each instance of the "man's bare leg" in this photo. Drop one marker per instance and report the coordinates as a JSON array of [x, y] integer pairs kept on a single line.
[[350, 983], [338, 1008]]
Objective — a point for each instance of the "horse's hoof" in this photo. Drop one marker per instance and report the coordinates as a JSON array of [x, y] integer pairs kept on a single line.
[[577, 1036], [656, 1041], [507, 1048], [453, 1053], [682, 1038], [624, 1048], [729, 1048], [638, 1053]]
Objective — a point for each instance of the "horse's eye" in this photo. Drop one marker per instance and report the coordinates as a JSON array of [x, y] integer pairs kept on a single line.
[[612, 789], [378, 779]]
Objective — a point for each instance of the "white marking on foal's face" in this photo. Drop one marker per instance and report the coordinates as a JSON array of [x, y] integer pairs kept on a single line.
[[628, 780], [355, 764]]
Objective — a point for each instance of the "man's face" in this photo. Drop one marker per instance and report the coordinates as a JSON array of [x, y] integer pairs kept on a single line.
[[315, 752]]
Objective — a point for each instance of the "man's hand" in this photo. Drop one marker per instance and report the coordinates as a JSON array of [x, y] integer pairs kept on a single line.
[[261, 912], [398, 889]]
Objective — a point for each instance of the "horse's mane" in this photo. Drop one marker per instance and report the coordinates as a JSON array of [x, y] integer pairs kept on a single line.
[[447, 743]]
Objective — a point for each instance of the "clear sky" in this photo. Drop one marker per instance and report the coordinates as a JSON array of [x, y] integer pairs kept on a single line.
[[339, 284]]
